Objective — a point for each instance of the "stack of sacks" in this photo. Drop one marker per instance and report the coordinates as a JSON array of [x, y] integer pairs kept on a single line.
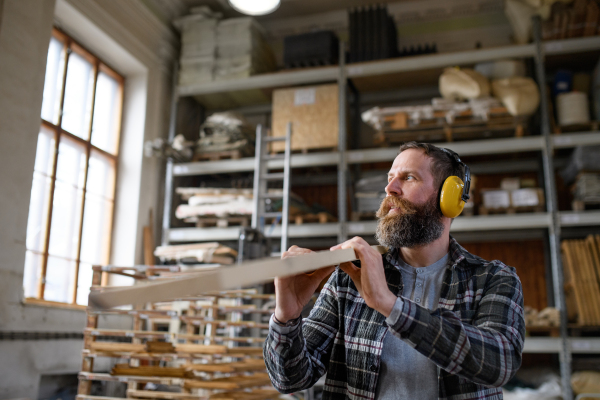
[[224, 132], [241, 49], [519, 94], [214, 202], [198, 46]]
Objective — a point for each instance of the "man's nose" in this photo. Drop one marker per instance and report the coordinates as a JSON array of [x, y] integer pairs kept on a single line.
[[393, 188]]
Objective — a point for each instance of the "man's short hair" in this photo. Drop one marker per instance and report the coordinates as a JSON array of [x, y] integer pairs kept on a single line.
[[442, 164]]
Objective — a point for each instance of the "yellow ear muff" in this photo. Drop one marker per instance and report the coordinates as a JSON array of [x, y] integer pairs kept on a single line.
[[451, 202]]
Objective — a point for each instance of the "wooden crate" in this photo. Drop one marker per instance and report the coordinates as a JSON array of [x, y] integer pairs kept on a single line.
[[313, 112]]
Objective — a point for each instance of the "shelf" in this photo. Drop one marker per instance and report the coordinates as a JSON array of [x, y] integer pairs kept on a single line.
[[476, 223], [576, 45], [472, 147], [263, 81], [576, 139], [583, 218], [440, 60], [579, 345]]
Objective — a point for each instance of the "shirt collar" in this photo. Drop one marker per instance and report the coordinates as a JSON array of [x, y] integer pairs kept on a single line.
[[457, 254]]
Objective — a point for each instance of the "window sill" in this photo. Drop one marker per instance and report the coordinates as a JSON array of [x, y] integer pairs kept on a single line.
[[31, 301]]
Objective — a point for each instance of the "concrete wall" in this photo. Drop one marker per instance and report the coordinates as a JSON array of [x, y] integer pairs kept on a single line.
[[140, 46]]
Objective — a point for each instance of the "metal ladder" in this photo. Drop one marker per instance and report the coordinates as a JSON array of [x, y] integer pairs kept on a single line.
[[262, 176]]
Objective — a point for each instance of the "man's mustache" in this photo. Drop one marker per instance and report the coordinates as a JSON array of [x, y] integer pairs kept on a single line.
[[405, 206]]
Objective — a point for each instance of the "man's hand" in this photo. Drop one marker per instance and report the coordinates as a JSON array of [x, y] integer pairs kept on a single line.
[[292, 293], [370, 278]]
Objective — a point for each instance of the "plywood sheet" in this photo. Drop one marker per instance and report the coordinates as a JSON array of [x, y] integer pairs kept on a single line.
[[313, 112]]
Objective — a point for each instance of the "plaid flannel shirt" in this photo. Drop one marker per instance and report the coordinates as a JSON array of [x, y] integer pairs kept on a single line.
[[475, 337]]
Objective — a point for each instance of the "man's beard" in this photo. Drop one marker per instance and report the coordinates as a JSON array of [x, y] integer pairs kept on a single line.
[[413, 225]]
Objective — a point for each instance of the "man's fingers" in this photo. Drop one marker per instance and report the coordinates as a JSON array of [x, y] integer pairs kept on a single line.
[[349, 268]]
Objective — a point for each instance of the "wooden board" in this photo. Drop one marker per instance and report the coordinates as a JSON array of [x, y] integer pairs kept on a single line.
[[230, 383], [245, 274], [313, 112]]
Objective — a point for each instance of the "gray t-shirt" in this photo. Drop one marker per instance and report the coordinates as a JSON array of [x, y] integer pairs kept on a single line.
[[405, 373]]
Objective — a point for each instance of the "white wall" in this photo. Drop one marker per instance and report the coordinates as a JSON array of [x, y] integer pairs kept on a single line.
[[141, 47]]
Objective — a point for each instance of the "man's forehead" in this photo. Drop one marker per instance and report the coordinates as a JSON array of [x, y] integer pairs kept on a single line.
[[412, 160]]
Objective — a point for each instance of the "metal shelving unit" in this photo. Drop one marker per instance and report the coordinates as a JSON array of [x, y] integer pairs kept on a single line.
[[545, 144]]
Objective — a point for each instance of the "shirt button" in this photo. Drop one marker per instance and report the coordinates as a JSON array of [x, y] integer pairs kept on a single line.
[[286, 346], [419, 285], [419, 271], [417, 300], [373, 368]]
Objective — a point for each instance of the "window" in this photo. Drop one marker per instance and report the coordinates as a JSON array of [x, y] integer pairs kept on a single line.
[[72, 195]]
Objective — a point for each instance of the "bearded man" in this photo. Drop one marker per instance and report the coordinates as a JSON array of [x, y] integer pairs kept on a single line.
[[427, 320]]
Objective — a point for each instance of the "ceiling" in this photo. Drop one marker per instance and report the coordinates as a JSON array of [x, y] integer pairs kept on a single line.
[[171, 9]]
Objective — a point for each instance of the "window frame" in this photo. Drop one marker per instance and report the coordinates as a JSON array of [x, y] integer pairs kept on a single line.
[[71, 46]]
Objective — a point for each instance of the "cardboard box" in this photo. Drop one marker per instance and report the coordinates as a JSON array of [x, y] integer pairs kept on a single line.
[[495, 198], [313, 112]]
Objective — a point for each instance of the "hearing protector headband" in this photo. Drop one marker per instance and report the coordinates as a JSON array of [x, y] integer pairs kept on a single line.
[[455, 191]]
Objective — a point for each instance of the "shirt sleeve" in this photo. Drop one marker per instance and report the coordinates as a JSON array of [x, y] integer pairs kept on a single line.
[[297, 356], [482, 345]]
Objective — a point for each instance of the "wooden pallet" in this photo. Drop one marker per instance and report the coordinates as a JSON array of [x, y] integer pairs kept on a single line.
[[218, 155], [580, 205], [321, 218], [363, 216], [306, 151], [510, 210], [464, 127], [590, 126]]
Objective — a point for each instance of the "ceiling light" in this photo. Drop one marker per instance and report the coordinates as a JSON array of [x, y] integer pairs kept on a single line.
[[255, 7]]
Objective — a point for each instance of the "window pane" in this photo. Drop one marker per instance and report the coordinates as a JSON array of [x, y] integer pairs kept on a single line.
[[33, 266], [40, 191], [84, 283], [60, 275], [71, 162], [101, 175], [78, 96], [66, 217], [107, 111], [97, 223], [38, 212], [44, 156], [55, 67]]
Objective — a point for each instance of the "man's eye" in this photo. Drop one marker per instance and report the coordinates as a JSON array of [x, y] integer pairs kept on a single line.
[[410, 177]]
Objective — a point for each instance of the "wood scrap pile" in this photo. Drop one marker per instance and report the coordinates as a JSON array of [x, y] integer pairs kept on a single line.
[[197, 253], [581, 261]]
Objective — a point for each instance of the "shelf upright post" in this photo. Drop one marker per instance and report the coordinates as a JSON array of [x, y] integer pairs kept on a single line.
[[168, 202], [343, 163], [552, 204]]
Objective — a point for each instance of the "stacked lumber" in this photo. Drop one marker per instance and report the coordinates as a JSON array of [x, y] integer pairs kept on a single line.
[[581, 260], [202, 345]]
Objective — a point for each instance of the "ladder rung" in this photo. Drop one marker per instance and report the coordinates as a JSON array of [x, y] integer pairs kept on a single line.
[[274, 138], [271, 214], [274, 157], [273, 177], [271, 196]]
